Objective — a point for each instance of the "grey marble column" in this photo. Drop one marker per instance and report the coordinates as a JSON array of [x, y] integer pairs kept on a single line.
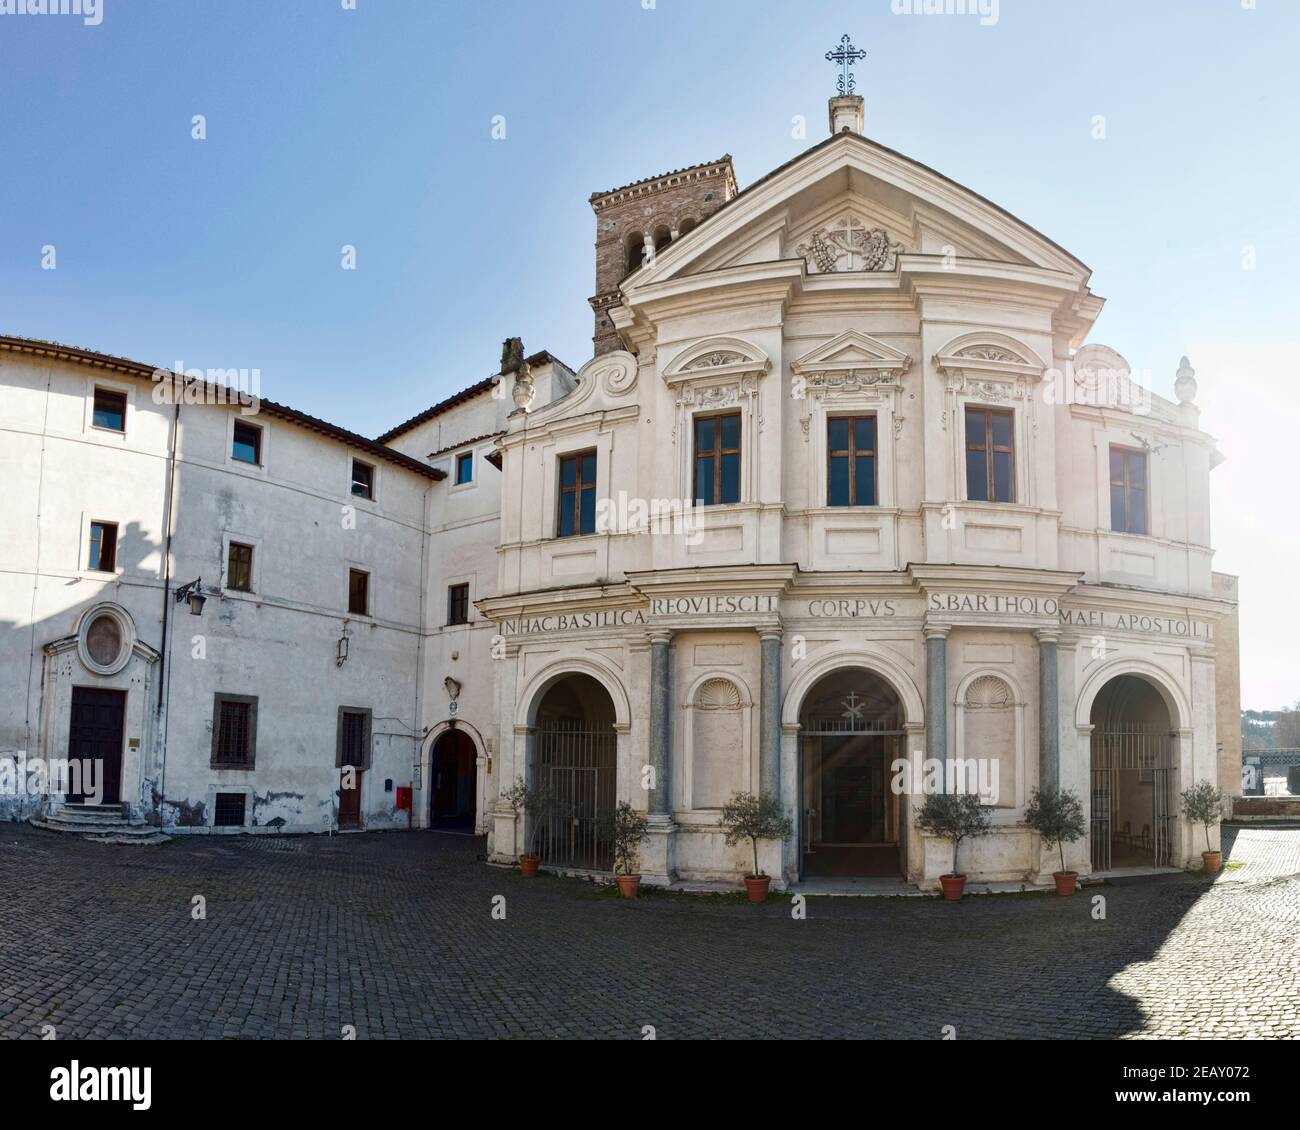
[[661, 803], [1049, 723], [936, 697], [769, 739]]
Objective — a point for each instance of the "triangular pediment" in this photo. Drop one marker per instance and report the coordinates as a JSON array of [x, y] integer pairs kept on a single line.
[[851, 351], [851, 207]]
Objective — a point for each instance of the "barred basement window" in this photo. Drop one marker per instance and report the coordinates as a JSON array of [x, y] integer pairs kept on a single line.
[[228, 811], [234, 731]]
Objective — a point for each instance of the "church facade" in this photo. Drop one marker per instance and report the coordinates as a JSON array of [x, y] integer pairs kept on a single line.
[[844, 508]]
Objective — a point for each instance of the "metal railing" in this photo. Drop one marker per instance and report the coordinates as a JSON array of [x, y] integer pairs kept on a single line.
[[576, 769]]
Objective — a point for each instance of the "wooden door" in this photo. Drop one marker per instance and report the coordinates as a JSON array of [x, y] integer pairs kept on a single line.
[[95, 741], [350, 798]]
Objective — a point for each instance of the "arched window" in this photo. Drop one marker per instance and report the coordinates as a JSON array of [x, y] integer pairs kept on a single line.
[[663, 237], [684, 227], [635, 250]]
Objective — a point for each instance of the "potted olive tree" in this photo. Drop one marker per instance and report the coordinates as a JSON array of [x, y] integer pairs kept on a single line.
[[1057, 816], [956, 817], [746, 816], [626, 827], [1203, 804], [529, 801]]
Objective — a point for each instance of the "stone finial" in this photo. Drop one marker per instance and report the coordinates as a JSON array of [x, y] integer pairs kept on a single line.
[[1185, 382], [524, 391]]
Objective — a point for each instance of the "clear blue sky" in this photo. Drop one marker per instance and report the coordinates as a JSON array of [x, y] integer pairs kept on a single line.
[[373, 128]]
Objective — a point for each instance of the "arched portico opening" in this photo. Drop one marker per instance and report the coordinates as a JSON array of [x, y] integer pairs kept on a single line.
[[453, 772], [1133, 786], [572, 757], [851, 821]]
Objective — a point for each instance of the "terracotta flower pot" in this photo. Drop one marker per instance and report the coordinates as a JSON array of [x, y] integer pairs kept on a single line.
[[756, 887], [528, 864], [1066, 881], [628, 884], [953, 886], [1213, 861]]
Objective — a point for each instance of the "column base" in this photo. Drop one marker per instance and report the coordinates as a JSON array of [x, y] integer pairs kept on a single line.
[[658, 863], [502, 828]]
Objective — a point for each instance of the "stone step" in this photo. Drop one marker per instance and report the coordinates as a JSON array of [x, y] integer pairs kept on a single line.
[[104, 831], [91, 816]]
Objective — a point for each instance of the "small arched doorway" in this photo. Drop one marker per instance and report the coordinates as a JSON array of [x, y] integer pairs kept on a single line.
[[573, 748], [454, 772], [1132, 776], [851, 821]]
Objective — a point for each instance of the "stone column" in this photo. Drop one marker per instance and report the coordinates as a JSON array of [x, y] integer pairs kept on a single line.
[[769, 741], [1049, 721], [661, 800], [658, 852], [936, 697]]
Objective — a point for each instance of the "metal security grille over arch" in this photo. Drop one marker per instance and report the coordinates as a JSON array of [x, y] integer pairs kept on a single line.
[[1132, 777], [573, 759]]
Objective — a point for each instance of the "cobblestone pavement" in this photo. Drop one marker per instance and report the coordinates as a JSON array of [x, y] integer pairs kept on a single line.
[[394, 934]]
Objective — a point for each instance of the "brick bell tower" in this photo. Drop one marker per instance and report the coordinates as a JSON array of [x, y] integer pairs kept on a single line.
[[638, 220]]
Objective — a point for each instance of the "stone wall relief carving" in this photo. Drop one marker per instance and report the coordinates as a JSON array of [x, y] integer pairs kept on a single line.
[[849, 244]]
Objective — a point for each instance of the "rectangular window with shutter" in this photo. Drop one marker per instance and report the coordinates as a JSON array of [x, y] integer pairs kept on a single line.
[[353, 738], [234, 731]]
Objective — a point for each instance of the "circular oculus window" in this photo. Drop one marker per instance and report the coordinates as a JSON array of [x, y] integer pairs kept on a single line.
[[105, 640]]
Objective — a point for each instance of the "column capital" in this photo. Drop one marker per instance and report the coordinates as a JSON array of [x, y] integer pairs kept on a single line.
[[771, 634], [660, 635], [1047, 635], [937, 631]]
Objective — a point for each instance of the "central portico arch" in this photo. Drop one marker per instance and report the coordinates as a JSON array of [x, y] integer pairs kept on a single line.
[[846, 719]]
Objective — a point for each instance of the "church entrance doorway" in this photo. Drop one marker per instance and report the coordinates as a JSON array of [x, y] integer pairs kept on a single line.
[[574, 749], [851, 732], [1132, 777]]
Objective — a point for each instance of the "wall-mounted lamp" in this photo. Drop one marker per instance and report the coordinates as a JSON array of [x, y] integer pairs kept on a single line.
[[194, 594], [341, 651]]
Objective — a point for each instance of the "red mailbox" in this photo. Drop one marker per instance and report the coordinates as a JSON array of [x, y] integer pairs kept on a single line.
[[403, 798]]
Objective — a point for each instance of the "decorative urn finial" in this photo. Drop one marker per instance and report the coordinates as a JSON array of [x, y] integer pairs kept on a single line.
[[524, 391], [1185, 382]]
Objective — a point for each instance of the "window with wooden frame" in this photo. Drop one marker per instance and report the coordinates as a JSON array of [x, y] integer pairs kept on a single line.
[[577, 502], [109, 410], [101, 555], [717, 459], [234, 731], [246, 443], [353, 746], [363, 479], [465, 468], [1128, 491], [358, 592], [239, 567], [458, 604], [851, 461], [990, 455]]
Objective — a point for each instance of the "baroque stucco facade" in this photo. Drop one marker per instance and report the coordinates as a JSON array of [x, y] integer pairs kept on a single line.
[[671, 663]]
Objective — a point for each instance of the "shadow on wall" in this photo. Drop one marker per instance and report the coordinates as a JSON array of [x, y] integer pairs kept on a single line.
[[30, 733]]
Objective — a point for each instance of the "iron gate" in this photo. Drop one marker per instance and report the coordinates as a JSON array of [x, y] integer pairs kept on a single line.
[[1126, 758], [576, 769]]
